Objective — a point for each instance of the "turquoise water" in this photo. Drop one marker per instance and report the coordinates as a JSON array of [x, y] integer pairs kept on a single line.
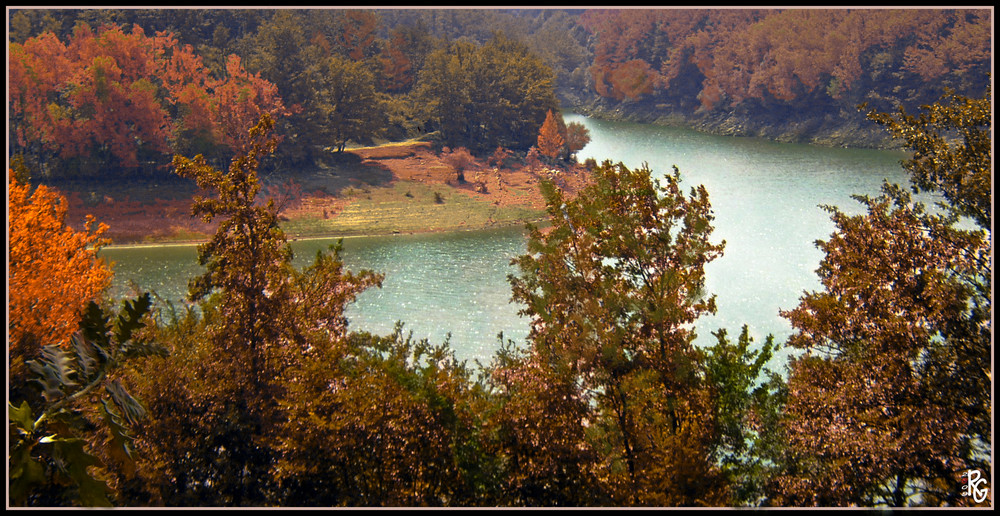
[[765, 196]]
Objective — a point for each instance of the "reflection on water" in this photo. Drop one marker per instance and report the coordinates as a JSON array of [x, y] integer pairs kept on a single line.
[[765, 196]]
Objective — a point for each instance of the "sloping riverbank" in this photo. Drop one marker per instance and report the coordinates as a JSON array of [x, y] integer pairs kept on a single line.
[[393, 188]]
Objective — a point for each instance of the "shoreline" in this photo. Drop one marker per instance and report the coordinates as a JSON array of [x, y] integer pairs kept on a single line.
[[429, 231]]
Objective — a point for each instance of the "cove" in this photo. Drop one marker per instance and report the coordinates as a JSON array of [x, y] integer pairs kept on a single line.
[[766, 198]]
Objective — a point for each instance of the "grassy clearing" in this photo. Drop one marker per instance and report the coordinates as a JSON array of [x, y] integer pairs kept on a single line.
[[409, 207]]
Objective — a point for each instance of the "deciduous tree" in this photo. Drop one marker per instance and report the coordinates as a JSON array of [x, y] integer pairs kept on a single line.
[[577, 137], [891, 402], [483, 96], [612, 290], [53, 272]]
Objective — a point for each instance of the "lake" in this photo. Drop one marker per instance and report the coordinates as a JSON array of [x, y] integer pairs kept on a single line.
[[766, 197]]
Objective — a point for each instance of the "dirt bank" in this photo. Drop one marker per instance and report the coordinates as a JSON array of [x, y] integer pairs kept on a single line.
[[387, 189]]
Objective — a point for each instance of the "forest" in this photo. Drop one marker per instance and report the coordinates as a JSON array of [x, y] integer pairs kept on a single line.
[[122, 90], [259, 393]]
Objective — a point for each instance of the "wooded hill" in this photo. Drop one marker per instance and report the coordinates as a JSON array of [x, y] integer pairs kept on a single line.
[[123, 89]]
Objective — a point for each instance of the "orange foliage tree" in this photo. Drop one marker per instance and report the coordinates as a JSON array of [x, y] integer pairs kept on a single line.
[[397, 68], [358, 36], [550, 141], [782, 55], [125, 98], [53, 272]]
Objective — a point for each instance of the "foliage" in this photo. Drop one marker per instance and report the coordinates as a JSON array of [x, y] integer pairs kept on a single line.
[[484, 96], [748, 400], [499, 157], [577, 137], [550, 142], [459, 159], [345, 105], [118, 99], [53, 272], [536, 426], [60, 457], [891, 402], [216, 432], [951, 142], [247, 261], [380, 421], [813, 58], [612, 290]]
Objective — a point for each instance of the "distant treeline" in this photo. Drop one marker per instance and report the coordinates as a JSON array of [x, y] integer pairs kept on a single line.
[[483, 78]]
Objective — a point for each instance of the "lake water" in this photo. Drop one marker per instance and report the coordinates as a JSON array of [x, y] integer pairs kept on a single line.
[[766, 197]]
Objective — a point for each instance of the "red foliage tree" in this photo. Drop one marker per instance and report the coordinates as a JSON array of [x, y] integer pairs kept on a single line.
[[397, 69], [113, 95], [358, 35]]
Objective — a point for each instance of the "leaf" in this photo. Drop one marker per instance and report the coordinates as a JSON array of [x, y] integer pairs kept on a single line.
[[130, 317], [22, 416], [54, 372], [131, 407], [93, 492], [25, 472], [121, 441], [143, 349], [95, 327], [90, 356]]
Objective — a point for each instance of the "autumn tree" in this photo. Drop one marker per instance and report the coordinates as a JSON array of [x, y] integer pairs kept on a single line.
[[577, 137], [357, 35], [397, 71], [777, 64], [890, 402], [97, 99], [550, 141], [612, 290], [72, 422], [114, 99], [459, 159], [53, 272]]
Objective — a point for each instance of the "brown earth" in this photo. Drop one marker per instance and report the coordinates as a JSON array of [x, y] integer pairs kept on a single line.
[[392, 188]]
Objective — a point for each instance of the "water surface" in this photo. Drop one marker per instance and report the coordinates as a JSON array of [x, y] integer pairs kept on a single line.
[[766, 198]]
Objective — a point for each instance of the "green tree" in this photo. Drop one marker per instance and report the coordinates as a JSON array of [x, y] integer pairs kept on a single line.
[[890, 403], [612, 290], [343, 104], [748, 400], [484, 96]]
